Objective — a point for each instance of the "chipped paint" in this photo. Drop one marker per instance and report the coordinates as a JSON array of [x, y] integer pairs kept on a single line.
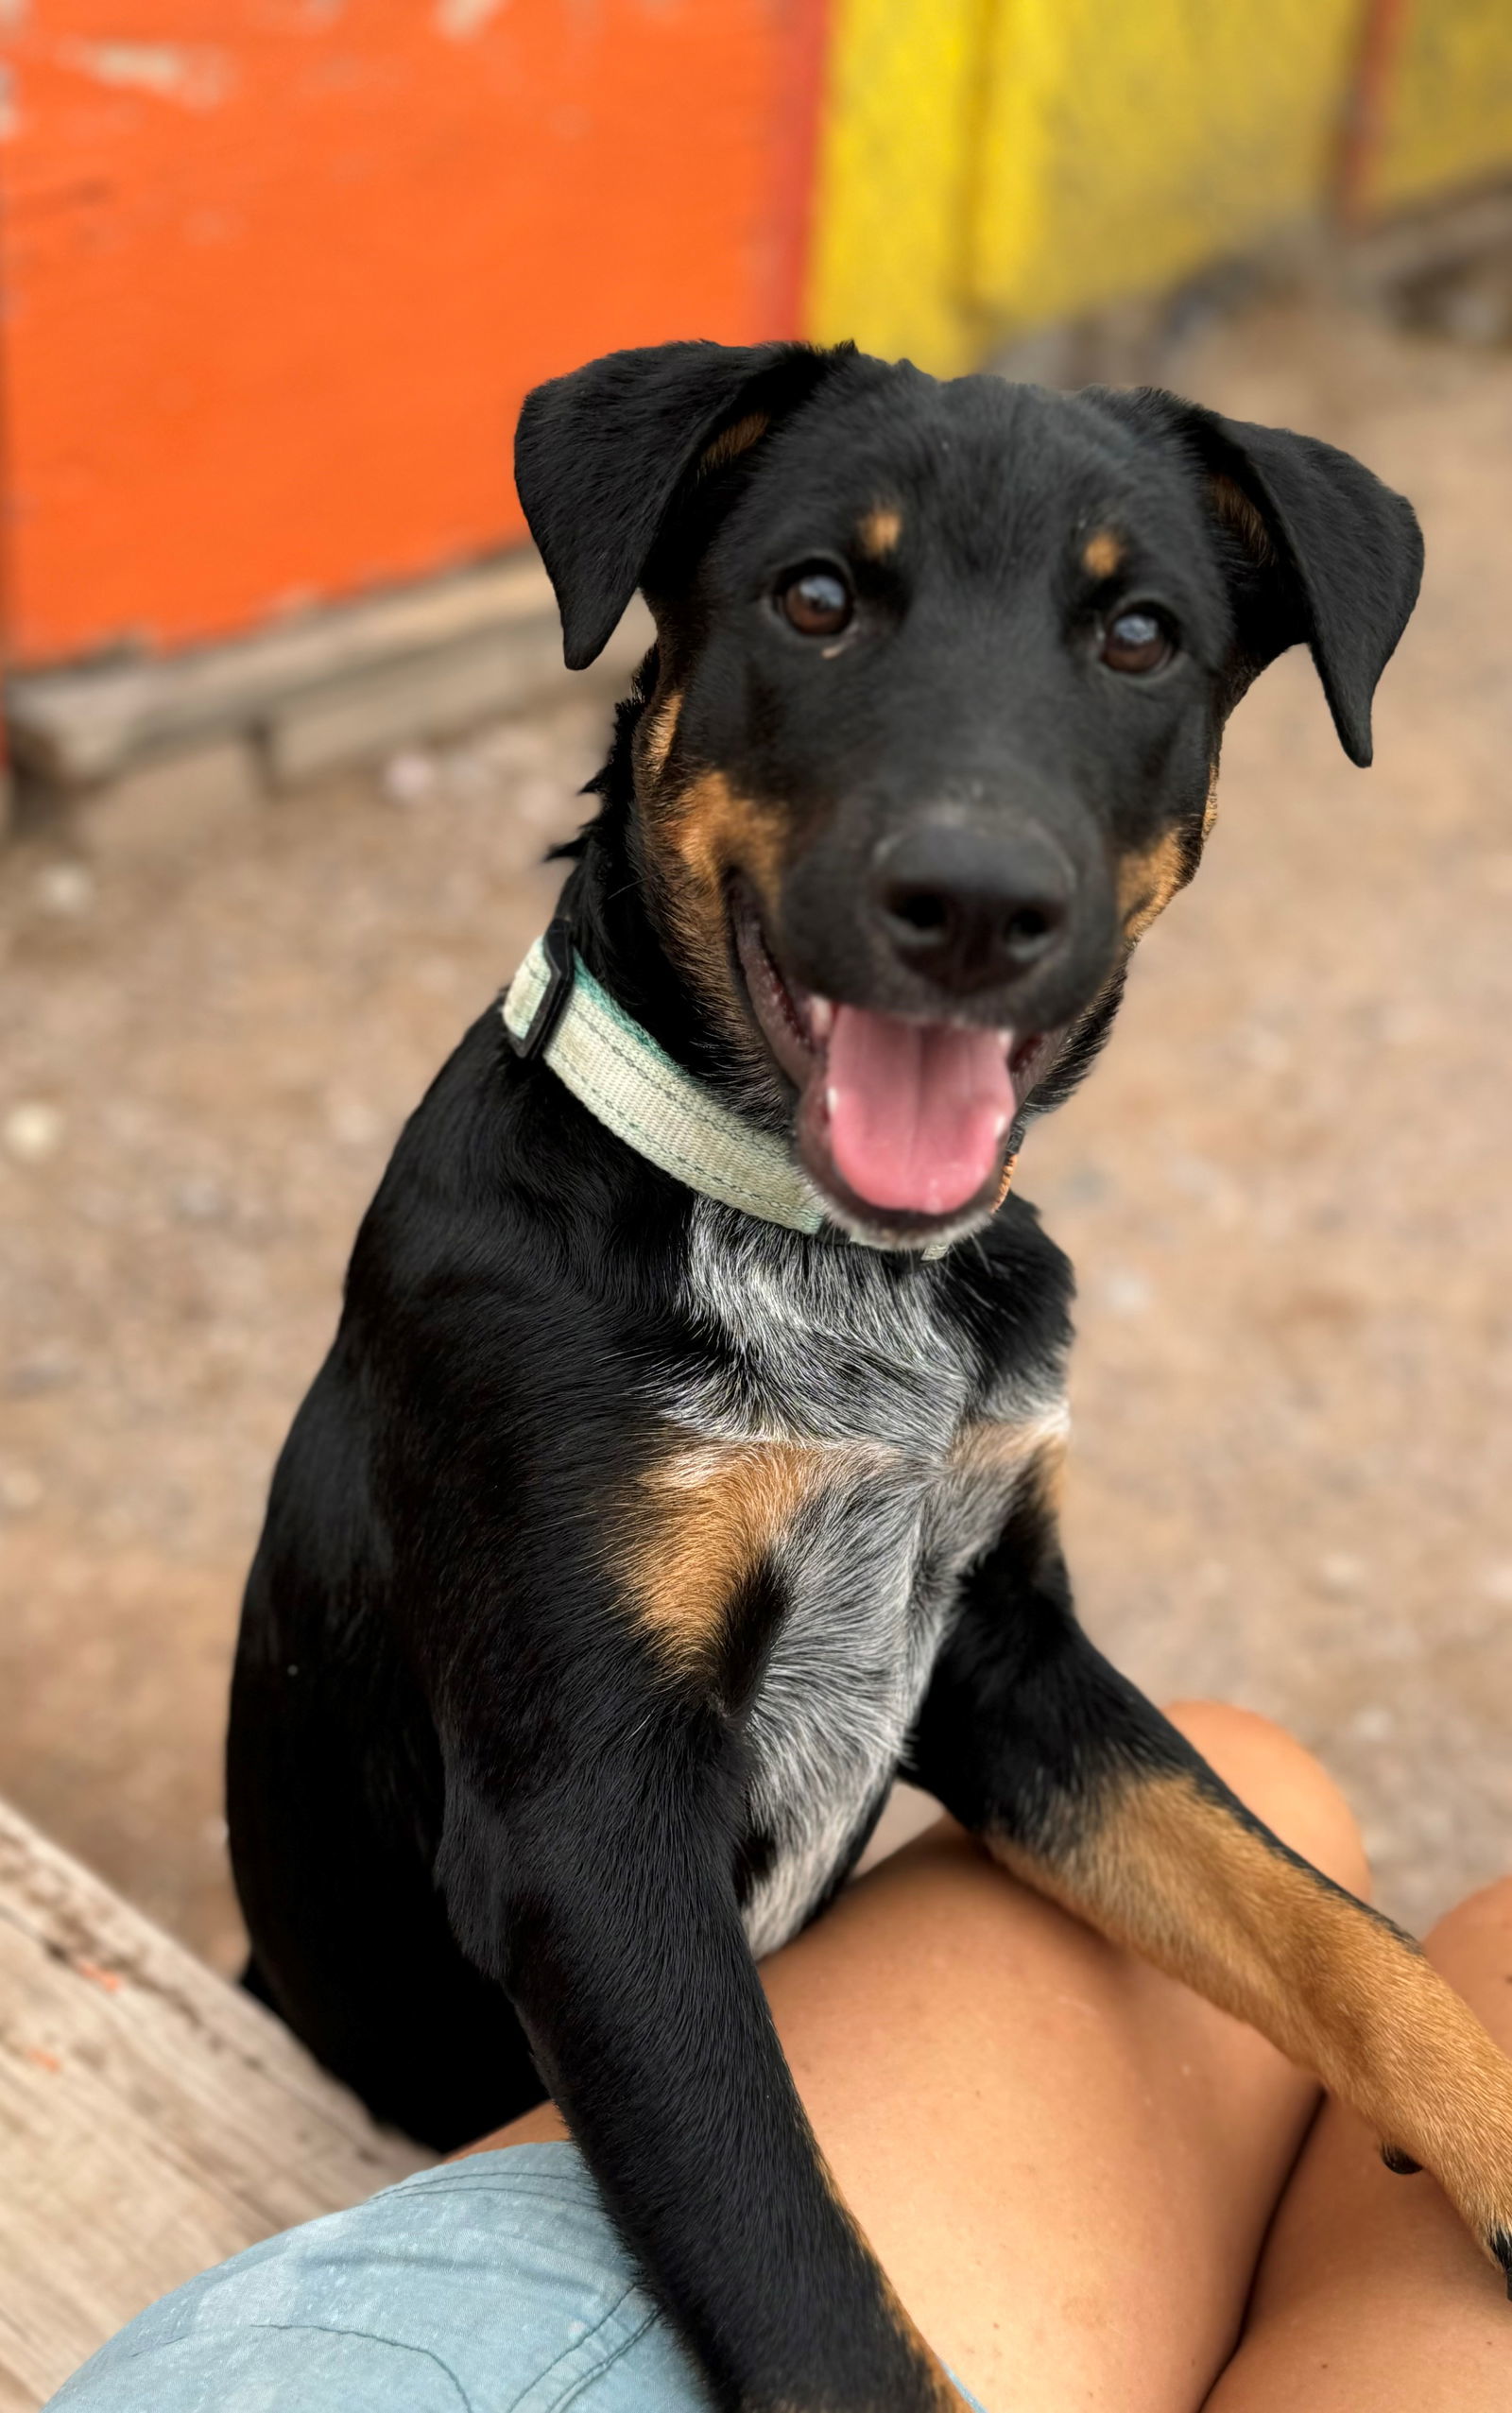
[[196, 78], [13, 15], [9, 114], [460, 20]]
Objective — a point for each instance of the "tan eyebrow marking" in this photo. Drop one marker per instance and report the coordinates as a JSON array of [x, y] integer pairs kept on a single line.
[[878, 530], [1102, 554]]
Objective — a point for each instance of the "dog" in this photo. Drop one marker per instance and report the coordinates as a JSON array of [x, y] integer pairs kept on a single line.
[[686, 1463]]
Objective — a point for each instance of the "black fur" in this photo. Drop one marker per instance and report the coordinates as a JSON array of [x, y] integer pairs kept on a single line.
[[486, 1840]]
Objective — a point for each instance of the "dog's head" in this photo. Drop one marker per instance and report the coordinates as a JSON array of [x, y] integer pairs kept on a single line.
[[942, 670]]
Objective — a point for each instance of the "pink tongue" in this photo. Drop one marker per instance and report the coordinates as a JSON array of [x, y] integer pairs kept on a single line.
[[916, 1110]]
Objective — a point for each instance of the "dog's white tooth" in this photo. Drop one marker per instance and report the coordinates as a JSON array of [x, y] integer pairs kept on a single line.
[[831, 1099], [821, 1017]]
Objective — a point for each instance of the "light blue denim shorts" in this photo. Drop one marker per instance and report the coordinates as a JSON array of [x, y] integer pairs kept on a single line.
[[496, 2284]]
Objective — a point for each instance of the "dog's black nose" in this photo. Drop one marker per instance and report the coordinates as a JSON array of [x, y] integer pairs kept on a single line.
[[969, 908]]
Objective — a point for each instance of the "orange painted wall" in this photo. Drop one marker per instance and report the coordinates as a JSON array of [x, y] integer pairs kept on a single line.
[[275, 273]]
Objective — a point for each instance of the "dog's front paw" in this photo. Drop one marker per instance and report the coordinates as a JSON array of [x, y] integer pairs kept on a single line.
[[1451, 2113]]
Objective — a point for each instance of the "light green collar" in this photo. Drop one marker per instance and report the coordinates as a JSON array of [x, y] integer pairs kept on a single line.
[[557, 1009]]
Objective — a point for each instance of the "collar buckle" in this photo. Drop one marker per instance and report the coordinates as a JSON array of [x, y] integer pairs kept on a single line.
[[556, 946]]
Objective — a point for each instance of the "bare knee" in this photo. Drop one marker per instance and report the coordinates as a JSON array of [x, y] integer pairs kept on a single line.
[[1282, 1781], [1473, 1945]]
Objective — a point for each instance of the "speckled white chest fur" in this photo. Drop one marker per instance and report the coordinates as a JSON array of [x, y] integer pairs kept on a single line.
[[832, 1348]]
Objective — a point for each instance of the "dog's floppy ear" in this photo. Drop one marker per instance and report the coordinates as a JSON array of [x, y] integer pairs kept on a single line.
[[1320, 551], [599, 456]]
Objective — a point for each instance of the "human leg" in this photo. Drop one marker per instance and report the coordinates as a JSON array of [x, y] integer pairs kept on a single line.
[[1065, 2161], [1371, 2296]]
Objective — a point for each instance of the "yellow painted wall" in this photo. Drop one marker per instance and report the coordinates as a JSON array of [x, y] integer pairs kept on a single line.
[[987, 166], [892, 197], [1123, 147], [1449, 115]]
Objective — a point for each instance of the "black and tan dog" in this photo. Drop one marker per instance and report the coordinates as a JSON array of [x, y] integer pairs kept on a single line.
[[685, 1464]]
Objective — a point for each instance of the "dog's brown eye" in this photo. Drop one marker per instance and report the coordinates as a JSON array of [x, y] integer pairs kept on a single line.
[[1137, 641], [817, 603]]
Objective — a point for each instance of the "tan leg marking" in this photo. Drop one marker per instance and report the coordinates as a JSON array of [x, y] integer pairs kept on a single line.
[[701, 1522], [734, 440], [1173, 1877], [878, 532], [1102, 554], [1147, 882]]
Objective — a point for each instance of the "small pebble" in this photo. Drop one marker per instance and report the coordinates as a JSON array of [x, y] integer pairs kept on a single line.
[[1086, 1184], [200, 1202], [1340, 1571], [20, 1489], [67, 889], [1127, 1294], [350, 1121], [409, 778], [1266, 1049], [32, 1131], [1374, 1723], [49, 1369]]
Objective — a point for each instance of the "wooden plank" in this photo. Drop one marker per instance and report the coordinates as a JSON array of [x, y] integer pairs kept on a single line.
[[328, 687], [434, 695], [152, 2118], [77, 726]]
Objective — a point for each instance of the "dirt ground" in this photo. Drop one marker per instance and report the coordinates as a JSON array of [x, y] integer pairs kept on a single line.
[[1285, 1190]]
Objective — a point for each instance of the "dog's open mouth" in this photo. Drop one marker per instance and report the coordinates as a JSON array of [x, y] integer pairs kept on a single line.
[[904, 1120]]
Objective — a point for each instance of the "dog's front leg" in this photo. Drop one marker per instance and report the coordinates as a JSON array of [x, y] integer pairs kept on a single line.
[[601, 1898], [1083, 1789]]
